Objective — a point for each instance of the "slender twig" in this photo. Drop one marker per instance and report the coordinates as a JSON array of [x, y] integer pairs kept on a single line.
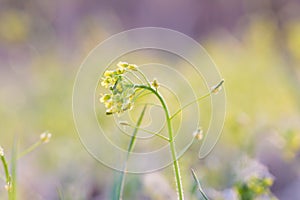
[[6, 171], [60, 193], [190, 103], [171, 137], [30, 149], [151, 132], [129, 150], [213, 90], [13, 169], [199, 185]]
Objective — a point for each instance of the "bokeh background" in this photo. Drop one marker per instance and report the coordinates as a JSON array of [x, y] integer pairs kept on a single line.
[[256, 45]]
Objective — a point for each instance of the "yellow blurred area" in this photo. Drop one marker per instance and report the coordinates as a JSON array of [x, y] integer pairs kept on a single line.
[[256, 81], [15, 26], [293, 39]]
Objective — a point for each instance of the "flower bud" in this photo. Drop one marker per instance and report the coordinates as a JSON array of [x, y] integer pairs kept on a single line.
[[132, 67], [1, 152], [105, 98], [120, 70], [108, 73], [124, 123], [155, 84], [198, 134], [122, 64], [215, 89], [45, 137]]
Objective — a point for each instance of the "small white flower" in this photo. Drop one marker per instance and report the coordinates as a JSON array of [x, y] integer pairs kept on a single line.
[[1, 152], [198, 134], [8, 186], [45, 137]]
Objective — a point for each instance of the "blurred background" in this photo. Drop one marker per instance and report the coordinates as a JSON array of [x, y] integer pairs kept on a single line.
[[256, 45]]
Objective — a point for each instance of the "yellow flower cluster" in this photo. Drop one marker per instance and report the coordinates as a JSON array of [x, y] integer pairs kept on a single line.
[[254, 187], [110, 77], [259, 185], [121, 90]]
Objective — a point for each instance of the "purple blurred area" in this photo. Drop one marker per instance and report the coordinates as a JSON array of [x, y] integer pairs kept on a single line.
[[62, 24]]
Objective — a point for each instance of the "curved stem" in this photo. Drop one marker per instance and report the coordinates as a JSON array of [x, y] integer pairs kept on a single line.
[[171, 138], [7, 176], [5, 166]]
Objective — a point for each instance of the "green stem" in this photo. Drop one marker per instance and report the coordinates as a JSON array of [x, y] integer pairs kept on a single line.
[[5, 166], [136, 129], [60, 194], [30, 149], [171, 138], [13, 170], [213, 90], [153, 133], [199, 185], [190, 103], [7, 176], [130, 147]]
